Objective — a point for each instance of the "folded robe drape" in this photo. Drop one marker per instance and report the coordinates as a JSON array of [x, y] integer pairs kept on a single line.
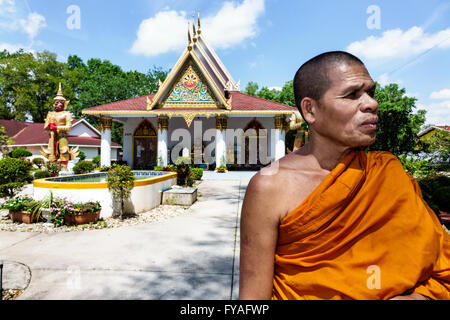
[[364, 233]]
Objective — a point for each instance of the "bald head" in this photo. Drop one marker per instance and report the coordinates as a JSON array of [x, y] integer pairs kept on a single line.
[[312, 79]]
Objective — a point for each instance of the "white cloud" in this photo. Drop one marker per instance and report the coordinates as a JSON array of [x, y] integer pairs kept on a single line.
[[14, 47], [443, 94], [167, 30], [11, 47], [32, 25], [7, 7], [397, 43], [384, 80], [438, 113], [233, 23]]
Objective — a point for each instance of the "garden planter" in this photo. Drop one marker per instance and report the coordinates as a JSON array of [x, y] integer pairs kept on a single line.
[[21, 217], [79, 219]]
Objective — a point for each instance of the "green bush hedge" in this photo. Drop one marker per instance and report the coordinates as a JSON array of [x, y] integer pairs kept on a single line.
[[14, 174], [197, 173], [81, 155], [96, 161], [435, 191], [83, 167], [38, 162], [20, 153], [41, 174]]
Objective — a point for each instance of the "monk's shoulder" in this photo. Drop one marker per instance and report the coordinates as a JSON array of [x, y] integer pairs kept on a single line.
[[383, 158]]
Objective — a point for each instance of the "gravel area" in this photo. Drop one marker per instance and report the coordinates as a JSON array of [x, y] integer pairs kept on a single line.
[[11, 294], [160, 213]]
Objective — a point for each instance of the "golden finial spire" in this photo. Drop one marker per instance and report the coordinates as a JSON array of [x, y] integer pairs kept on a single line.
[[193, 29], [198, 21], [189, 37], [59, 95]]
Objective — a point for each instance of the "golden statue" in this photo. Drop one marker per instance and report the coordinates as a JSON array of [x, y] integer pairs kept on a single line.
[[58, 123], [296, 123]]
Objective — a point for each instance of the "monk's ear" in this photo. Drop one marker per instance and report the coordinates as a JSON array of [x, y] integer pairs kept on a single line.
[[309, 108]]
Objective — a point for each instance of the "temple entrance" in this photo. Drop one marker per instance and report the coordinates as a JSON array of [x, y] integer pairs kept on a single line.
[[145, 146], [252, 147]]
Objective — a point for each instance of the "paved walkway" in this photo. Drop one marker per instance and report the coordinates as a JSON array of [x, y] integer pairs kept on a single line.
[[187, 257]]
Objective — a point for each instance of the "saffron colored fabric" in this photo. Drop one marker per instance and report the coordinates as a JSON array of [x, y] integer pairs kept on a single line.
[[364, 233]]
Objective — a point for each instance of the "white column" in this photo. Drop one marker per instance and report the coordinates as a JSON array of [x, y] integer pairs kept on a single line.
[[221, 141], [280, 135], [105, 151], [163, 125]]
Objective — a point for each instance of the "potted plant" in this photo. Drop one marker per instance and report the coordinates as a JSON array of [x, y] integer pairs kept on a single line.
[[43, 208], [22, 210], [120, 181], [221, 169], [83, 213], [183, 168], [53, 168], [64, 211]]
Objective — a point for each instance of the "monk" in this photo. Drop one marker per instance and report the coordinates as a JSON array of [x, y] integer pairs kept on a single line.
[[330, 221]]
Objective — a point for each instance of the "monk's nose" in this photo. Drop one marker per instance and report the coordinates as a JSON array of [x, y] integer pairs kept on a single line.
[[369, 104]]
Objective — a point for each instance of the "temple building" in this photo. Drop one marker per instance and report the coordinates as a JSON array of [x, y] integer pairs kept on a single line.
[[200, 96]]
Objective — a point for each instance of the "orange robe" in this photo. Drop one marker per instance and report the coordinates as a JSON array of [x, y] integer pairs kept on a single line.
[[364, 233]]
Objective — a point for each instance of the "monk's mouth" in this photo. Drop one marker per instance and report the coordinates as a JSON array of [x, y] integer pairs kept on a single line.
[[370, 124]]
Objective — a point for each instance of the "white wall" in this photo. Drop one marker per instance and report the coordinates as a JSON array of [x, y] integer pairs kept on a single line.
[[142, 199], [81, 129], [179, 123]]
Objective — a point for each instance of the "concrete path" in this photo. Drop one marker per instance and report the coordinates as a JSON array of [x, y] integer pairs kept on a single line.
[[186, 257]]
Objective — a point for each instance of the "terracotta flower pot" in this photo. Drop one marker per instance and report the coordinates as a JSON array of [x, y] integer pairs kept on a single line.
[[79, 219], [20, 216]]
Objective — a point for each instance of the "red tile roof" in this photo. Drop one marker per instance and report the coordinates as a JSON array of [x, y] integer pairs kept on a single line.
[[135, 104], [243, 102], [239, 102], [34, 134], [444, 127], [13, 127]]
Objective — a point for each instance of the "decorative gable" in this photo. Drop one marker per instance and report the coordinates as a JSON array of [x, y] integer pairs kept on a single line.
[[190, 89]]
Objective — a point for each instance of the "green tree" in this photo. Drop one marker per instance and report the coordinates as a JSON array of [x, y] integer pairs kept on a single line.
[[28, 84], [5, 141], [398, 126], [251, 88]]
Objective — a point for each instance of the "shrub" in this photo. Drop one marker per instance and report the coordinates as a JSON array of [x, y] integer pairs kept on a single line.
[[14, 174], [96, 161], [41, 174], [435, 191], [20, 153], [81, 155], [53, 167], [156, 168], [414, 167], [120, 181], [38, 162], [197, 173], [19, 204], [83, 167]]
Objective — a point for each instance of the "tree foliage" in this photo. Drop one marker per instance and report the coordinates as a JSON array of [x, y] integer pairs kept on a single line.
[[28, 84], [398, 125]]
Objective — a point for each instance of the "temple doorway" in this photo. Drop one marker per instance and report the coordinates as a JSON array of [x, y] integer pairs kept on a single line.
[[252, 142], [145, 146]]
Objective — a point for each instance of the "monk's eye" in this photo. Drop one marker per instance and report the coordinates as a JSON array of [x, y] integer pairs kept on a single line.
[[352, 95], [371, 93]]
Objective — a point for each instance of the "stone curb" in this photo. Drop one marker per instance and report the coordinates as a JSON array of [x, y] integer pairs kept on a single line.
[[16, 275]]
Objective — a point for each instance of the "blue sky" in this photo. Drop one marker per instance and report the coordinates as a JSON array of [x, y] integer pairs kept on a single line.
[[266, 41]]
